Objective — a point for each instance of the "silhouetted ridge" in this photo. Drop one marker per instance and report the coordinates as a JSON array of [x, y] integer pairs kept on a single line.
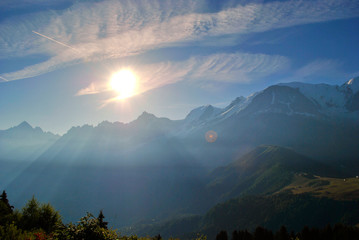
[[145, 116]]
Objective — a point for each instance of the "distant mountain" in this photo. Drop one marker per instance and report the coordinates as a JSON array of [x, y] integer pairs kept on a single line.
[[312, 119], [24, 142], [332, 100], [283, 100], [146, 140], [318, 120], [291, 99]]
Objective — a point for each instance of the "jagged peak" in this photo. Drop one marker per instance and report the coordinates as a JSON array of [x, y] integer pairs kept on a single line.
[[239, 99], [353, 84], [353, 81], [208, 106], [24, 125], [236, 101], [202, 113], [146, 116]]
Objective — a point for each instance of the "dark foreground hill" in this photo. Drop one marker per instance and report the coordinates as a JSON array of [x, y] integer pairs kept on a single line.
[[272, 212]]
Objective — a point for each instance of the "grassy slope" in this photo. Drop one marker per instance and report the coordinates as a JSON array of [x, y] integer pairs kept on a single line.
[[265, 170], [335, 188]]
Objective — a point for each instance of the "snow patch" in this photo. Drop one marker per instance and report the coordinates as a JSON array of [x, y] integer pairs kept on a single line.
[[353, 84], [327, 96], [273, 98]]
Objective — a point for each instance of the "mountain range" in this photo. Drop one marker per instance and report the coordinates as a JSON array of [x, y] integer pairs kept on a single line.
[[296, 115], [156, 168]]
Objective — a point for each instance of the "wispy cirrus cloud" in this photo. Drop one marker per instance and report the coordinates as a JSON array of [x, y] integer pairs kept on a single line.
[[235, 68], [319, 67], [93, 88], [114, 29]]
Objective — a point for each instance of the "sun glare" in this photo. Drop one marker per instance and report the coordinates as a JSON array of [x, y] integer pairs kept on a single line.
[[124, 83]]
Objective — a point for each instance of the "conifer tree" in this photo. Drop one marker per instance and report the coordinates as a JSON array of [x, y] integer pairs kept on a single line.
[[101, 222], [235, 235], [222, 235], [4, 199], [282, 234]]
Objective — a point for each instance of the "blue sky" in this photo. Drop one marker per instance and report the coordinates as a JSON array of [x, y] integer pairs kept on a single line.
[[56, 57]]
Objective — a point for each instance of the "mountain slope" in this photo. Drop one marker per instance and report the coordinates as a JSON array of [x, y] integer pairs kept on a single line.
[[291, 115], [281, 99], [264, 170]]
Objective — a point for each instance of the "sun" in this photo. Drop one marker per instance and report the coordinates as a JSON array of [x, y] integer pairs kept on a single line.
[[124, 83]]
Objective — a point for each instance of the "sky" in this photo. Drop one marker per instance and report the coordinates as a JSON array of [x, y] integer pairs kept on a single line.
[[57, 57]]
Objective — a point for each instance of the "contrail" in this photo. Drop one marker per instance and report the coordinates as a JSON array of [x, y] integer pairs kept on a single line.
[[4, 79], [63, 44]]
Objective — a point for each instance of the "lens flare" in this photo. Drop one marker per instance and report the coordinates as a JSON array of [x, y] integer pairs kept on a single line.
[[211, 136]]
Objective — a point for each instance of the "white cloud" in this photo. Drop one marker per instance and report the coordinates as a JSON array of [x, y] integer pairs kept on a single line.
[[4, 79], [113, 29]]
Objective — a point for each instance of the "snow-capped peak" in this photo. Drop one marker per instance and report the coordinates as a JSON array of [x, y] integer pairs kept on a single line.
[[203, 113], [237, 105], [235, 102], [327, 96]]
